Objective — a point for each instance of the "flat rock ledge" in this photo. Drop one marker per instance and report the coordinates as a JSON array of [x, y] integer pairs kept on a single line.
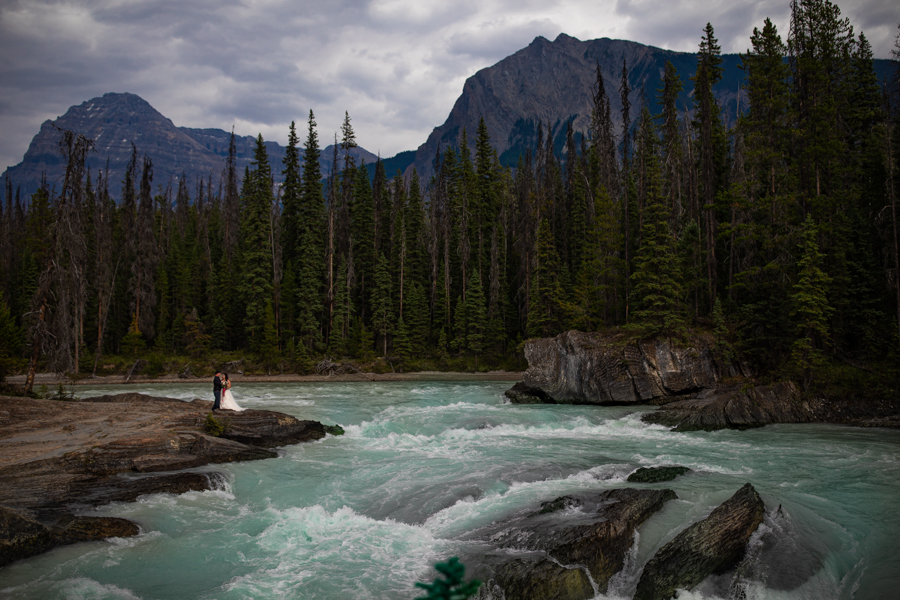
[[563, 555], [60, 457], [711, 546], [744, 407]]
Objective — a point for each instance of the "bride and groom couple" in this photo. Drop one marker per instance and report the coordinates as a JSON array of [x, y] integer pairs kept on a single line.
[[222, 392]]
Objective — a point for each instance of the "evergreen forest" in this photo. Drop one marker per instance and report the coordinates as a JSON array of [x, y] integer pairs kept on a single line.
[[778, 236]]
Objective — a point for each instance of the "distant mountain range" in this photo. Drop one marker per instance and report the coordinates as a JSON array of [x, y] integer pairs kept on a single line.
[[114, 121], [547, 83]]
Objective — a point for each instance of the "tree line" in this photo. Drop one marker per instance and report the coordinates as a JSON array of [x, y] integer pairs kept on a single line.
[[779, 235]]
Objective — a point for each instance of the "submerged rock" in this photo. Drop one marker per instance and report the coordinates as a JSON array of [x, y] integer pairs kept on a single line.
[[594, 368], [599, 542], [711, 546], [561, 503], [654, 474]]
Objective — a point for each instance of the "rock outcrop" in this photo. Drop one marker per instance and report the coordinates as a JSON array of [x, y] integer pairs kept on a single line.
[[55, 456], [694, 387], [712, 546], [560, 551], [593, 368]]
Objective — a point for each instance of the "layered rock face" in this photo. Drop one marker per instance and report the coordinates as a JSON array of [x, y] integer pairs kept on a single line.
[[592, 368], [56, 455]]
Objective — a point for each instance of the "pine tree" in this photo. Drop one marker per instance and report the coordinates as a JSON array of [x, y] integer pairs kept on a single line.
[[810, 310], [710, 138], [382, 307], [255, 281], [291, 215], [402, 342], [362, 221], [545, 303], [476, 316], [146, 256], [656, 288], [309, 297], [10, 341], [671, 142]]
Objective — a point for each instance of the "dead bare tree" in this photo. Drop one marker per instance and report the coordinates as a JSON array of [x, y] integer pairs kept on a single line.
[[59, 301]]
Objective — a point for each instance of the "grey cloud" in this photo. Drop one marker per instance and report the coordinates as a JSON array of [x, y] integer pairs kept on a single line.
[[500, 38], [396, 65]]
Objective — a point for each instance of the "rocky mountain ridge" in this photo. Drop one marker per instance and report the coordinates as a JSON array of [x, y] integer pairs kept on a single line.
[[115, 121], [551, 83], [546, 84]]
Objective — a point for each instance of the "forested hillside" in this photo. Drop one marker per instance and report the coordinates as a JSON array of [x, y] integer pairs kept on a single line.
[[777, 235]]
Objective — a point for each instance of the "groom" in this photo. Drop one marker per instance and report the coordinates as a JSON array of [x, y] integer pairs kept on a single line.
[[217, 390]]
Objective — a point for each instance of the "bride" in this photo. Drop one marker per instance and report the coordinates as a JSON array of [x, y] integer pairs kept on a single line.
[[228, 402]]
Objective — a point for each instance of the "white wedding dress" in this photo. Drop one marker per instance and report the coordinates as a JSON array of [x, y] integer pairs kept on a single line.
[[227, 402]]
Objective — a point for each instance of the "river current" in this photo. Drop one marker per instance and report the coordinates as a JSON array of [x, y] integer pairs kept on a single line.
[[429, 470]]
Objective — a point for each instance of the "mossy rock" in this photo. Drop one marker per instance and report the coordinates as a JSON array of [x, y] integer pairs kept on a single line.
[[334, 429], [654, 474]]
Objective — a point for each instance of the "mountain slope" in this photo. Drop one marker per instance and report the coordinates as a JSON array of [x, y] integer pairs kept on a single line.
[[552, 83], [114, 121]]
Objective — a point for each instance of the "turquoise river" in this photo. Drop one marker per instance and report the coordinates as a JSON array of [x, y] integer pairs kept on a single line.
[[428, 470]]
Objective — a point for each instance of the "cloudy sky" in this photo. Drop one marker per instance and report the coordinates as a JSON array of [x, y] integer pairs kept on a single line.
[[396, 66]]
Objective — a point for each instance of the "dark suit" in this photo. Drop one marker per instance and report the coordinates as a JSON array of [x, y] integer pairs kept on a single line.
[[217, 392]]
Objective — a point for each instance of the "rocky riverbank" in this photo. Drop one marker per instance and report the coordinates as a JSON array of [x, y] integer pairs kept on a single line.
[[57, 457], [695, 388]]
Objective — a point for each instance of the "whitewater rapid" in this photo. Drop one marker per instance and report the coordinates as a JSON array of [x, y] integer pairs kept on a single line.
[[430, 470]]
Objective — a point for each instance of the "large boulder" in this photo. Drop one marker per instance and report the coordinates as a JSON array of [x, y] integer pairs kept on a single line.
[[711, 546], [595, 368], [559, 552]]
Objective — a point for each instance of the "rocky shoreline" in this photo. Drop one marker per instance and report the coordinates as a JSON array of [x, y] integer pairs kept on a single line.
[[59, 457], [694, 387]]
